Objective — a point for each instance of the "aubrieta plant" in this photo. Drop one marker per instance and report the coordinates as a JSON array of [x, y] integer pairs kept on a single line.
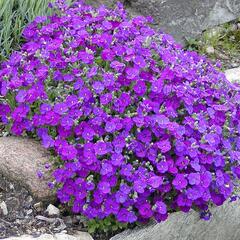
[[142, 127]]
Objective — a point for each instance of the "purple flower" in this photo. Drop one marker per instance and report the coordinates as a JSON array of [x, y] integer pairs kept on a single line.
[[68, 152], [145, 210], [194, 178], [21, 96], [121, 197], [71, 100], [106, 98], [212, 139], [117, 159], [145, 136], [92, 72], [155, 181], [126, 216], [60, 108], [51, 118], [47, 141], [44, 108], [4, 110], [20, 112], [106, 168], [139, 61], [118, 66], [162, 166], [205, 215], [161, 120], [85, 57], [180, 182], [157, 86], [104, 187], [182, 162], [193, 193], [100, 148], [68, 78], [206, 179], [132, 72], [39, 174], [67, 122], [161, 207], [126, 170], [98, 87], [88, 133], [108, 55], [140, 88], [139, 186], [111, 206], [164, 145]]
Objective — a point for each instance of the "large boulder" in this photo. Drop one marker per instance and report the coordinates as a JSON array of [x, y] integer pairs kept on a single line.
[[20, 161], [187, 18], [182, 18], [224, 225]]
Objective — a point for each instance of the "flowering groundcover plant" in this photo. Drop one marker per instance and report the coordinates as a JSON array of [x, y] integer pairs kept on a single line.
[[141, 127]]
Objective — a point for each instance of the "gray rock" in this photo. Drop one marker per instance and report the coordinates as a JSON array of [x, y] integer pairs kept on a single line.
[[187, 18], [233, 75], [184, 19], [224, 225], [20, 160], [52, 210], [58, 236]]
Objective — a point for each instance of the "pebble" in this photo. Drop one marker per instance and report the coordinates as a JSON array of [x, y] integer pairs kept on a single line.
[[52, 210], [38, 206], [4, 208], [30, 211], [210, 50]]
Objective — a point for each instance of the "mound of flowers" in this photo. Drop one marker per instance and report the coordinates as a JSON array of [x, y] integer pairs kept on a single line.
[[140, 126]]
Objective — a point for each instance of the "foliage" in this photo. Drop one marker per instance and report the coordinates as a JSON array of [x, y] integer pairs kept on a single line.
[[223, 39], [14, 16], [108, 225], [140, 126]]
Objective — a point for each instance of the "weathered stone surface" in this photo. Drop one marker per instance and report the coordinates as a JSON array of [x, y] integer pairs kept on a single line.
[[20, 159], [58, 236], [187, 18], [224, 225], [183, 19], [233, 74]]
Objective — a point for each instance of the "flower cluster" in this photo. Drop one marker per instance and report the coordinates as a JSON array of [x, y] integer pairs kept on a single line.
[[142, 127]]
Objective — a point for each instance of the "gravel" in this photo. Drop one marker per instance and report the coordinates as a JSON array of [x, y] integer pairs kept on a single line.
[[21, 214]]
